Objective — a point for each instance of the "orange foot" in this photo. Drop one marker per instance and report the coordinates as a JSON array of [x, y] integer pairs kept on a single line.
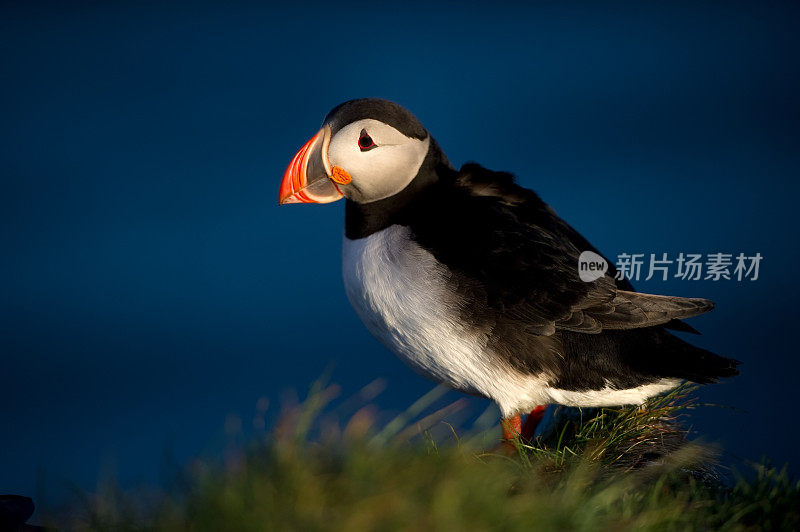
[[512, 427], [532, 422]]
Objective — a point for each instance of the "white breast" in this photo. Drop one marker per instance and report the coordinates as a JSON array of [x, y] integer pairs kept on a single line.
[[398, 290]]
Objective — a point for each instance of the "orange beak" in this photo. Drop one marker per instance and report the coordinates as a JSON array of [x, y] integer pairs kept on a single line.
[[308, 177]]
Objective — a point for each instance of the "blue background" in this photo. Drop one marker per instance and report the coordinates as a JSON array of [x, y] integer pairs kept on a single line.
[[150, 286]]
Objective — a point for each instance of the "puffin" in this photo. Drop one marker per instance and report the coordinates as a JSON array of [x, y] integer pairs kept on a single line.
[[473, 280]]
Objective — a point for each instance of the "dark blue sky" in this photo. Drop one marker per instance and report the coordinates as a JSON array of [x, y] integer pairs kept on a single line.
[[150, 286]]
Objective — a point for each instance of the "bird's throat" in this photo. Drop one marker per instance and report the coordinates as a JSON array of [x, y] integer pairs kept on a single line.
[[364, 219]]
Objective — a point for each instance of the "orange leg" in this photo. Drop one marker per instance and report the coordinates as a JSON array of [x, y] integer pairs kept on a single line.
[[531, 422], [512, 427]]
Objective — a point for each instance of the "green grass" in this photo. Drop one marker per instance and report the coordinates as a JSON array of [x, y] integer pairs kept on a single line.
[[616, 469]]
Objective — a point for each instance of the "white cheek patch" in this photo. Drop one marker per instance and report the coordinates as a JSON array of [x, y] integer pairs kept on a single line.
[[380, 172]]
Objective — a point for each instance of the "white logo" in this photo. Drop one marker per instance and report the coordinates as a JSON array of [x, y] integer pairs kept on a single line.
[[591, 266]]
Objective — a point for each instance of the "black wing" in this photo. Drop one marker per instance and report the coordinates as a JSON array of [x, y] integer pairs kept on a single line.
[[516, 265], [519, 260]]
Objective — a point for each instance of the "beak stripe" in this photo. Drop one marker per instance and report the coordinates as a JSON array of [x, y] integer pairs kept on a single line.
[[300, 158], [307, 178]]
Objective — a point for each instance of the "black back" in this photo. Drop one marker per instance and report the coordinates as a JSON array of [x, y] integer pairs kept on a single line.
[[514, 261]]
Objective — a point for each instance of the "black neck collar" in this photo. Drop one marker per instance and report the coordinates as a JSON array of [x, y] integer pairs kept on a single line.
[[364, 219]]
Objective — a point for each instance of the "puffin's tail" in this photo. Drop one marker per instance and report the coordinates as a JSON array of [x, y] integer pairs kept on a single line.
[[673, 357], [704, 367]]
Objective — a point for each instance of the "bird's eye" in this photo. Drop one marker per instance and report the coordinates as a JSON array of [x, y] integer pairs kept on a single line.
[[365, 142]]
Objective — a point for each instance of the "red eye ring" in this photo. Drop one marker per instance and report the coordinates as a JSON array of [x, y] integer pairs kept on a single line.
[[365, 142]]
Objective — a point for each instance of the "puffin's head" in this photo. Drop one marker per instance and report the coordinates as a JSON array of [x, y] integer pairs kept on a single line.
[[367, 150]]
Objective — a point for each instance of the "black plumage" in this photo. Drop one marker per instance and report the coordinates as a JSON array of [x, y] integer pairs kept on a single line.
[[474, 281], [515, 264]]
